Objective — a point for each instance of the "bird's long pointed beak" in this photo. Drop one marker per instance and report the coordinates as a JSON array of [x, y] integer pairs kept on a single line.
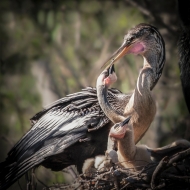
[[123, 50]]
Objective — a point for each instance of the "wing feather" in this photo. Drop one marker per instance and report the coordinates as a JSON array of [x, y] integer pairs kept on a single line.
[[57, 127], [75, 113]]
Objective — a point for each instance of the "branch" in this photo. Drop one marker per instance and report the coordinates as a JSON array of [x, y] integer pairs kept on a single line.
[[168, 174]]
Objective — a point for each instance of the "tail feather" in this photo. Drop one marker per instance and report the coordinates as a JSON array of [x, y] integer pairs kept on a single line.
[[15, 167], [10, 173]]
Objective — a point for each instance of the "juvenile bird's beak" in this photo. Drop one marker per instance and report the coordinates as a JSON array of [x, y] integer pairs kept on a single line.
[[123, 50], [111, 69], [126, 121], [123, 123]]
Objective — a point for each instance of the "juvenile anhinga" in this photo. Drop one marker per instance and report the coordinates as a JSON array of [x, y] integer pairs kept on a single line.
[[75, 128], [128, 154], [138, 156]]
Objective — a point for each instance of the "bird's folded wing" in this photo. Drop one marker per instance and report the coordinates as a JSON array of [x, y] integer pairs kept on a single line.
[[62, 124]]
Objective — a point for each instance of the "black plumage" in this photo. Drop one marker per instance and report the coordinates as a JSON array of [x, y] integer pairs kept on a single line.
[[75, 128], [65, 133]]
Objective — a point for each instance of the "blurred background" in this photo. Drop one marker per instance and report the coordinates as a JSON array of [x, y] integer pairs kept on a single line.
[[51, 48]]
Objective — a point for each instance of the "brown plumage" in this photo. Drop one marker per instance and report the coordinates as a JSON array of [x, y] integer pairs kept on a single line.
[[138, 156], [145, 40], [76, 123], [131, 155]]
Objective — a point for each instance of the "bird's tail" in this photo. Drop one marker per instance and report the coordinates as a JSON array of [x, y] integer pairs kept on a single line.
[[11, 172]]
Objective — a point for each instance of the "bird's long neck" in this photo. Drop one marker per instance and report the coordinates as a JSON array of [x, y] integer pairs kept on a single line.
[[126, 147], [142, 108], [142, 94], [112, 114], [141, 104]]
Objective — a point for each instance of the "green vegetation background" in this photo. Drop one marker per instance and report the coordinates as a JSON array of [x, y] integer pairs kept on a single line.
[[52, 48]]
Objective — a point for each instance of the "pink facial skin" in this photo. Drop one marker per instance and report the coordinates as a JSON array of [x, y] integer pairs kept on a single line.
[[107, 81], [137, 48], [118, 132], [112, 78]]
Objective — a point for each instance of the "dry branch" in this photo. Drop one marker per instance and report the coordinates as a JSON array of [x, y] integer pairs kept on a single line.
[[171, 173]]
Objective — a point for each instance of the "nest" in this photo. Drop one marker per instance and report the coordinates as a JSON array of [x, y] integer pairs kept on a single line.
[[171, 173]]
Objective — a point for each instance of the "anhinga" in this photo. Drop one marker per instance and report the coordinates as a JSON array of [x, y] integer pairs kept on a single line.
[[145, 40], [75, 128], [129, 155], [184, 48], [138, 156]]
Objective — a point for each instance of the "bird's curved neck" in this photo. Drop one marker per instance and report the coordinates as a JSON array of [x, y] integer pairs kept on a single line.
[[112, 114], [144, 80], [141, 105], [155, 59], [126, 146], [141, 96], [151, 60]]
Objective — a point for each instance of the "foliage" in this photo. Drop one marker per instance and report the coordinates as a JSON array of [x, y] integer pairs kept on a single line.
[[53, 48]]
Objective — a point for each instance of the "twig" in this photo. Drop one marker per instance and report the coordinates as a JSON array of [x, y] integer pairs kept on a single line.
[[162, 165]]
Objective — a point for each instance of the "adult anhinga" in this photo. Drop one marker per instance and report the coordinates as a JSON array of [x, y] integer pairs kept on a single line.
[[145, 40], [184, 48], [75, 128]]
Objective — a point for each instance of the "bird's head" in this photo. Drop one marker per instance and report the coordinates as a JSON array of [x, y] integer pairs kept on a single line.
[[107, 77], [141, 39], [119, 130], [145, 40]]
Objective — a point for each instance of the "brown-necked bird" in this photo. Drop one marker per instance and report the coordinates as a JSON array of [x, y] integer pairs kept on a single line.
[[75, 127]]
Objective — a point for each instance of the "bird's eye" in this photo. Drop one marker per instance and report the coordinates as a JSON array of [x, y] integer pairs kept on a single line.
[[129, 39], [132, 38]]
